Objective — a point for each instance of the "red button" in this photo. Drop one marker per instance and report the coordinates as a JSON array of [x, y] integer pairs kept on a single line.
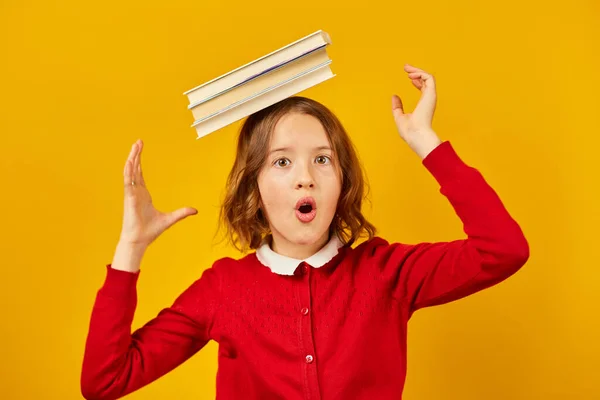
[[305, 268], [304, 311], [309, 359]]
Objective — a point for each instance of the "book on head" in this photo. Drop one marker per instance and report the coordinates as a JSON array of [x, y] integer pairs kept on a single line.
[[260, 83]]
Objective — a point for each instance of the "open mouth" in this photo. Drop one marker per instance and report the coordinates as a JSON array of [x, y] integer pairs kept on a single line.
[[306, 209], [306, 205]]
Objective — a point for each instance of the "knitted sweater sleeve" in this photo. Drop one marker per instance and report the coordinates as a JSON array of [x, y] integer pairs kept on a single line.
[[428, 274], [117, 360]]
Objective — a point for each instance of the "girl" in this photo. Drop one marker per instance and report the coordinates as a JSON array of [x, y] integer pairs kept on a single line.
[[305, 315]]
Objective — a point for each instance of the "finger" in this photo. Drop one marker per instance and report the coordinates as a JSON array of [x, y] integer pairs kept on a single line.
[[410, 68], [177, 215], [136, 158], [136, 163], [128, 174], [128, 169], [415, 75], [397, 106], [138, 169], [427, 79], [418, 83], [132, 152]]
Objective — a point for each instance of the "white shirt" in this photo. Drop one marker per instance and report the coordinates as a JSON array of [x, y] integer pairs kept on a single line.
[[284, 265]]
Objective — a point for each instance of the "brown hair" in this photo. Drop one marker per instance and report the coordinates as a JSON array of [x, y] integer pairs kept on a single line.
[[240, 213]]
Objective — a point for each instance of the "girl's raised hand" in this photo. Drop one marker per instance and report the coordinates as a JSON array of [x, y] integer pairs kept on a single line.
[[416, 127], [142, 223]]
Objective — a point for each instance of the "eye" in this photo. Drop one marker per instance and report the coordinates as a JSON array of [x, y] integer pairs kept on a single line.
[[282, 162], [323, 159]]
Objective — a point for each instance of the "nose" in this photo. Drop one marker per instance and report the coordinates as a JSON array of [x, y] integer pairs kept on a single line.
[[304, 179]]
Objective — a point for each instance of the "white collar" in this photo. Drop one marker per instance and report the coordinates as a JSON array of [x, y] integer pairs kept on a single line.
[[284, 265]]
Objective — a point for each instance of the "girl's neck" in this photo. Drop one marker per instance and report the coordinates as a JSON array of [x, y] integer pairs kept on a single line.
[[297, 251]]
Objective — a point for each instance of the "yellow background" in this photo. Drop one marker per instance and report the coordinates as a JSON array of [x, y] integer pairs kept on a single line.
[[518, 97]]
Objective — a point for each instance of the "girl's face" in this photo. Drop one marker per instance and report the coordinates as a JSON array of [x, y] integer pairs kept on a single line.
[[299, 186]]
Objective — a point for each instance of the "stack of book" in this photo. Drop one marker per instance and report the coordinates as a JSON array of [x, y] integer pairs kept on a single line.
[[260, 83]]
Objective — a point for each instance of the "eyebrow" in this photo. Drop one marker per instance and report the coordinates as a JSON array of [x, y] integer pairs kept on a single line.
[[287, 149]]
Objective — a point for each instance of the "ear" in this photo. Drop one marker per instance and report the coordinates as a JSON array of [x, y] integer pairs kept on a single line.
[[260, 203], [262, 217]]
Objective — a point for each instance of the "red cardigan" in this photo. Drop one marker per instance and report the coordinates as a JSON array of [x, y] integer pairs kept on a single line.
[[336, 332]]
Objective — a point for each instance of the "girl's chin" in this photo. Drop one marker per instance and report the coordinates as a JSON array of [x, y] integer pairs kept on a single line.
[[309, 238]]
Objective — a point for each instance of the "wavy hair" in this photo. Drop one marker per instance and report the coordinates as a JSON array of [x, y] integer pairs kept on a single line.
[[240, 214]]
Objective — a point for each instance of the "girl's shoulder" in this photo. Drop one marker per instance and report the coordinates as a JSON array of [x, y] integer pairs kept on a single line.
[[377, 251], [374, 247], [242, 264]]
